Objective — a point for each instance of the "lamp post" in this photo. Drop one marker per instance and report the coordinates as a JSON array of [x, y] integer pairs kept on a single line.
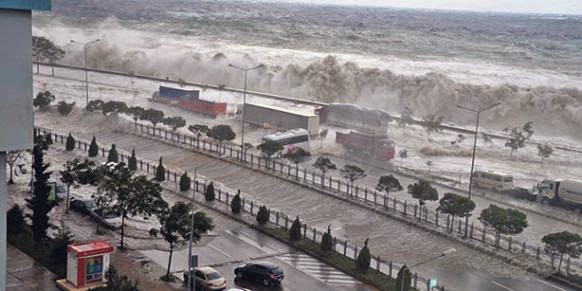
[[478, 113], [443, 254], [242, 140], [85, 45], [191, 233]]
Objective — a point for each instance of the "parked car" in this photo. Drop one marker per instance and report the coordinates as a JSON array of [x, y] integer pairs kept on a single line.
[[110, 219], [206, 278], [85, 206], [239, 289], [265, 272]]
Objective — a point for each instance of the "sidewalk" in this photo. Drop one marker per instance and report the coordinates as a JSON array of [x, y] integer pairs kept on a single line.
[[25, 274]]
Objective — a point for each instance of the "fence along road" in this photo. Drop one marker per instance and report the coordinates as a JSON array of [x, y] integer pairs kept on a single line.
[[390, 239]]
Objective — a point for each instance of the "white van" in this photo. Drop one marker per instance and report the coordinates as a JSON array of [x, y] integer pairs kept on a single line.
[[492, 180]]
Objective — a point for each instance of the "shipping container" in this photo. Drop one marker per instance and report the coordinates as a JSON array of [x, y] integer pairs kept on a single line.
[[354, 116], [176, 93], [376, 147], [279, 118]]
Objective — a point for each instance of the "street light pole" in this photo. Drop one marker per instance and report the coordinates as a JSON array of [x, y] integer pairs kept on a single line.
[[191, 233], [85, 45], [478, 113], [443, 254], [242, 140]]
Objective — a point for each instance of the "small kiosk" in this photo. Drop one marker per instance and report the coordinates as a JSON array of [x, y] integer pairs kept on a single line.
[[87, 263]]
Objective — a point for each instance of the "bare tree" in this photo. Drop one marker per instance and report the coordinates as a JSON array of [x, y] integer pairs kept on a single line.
[[11, 160]]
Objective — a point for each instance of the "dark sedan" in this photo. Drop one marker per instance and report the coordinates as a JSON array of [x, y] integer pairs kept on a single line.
[[85, 206], [266, 273]]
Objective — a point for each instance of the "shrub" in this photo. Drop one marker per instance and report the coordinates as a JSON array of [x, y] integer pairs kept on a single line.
[[404, 275], [363, 259], [160, 172], [327, 240], [185, 182], [70, 144], [93, 148], [113, 156], [235, 204], [43, 100], [15, 220], [209, 194], [94, 105], [59, 248], [65, 108], [295, 230], [132, 162], [49, 139], [263, 215]]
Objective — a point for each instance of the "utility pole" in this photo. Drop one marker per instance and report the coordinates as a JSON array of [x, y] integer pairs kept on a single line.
[[478, 113], [191, 233], [242, 141], [85, 45]]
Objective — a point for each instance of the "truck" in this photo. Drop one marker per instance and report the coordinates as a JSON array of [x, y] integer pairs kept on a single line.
[[189, 100], [376, 147], [564, 193]]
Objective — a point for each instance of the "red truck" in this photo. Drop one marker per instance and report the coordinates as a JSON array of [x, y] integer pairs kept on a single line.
[[369, 145]]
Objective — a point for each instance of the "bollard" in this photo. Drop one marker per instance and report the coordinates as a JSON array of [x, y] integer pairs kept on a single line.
[[355, 253], [385, 199], [414, 211], [378, 263], [510, 242], [390, 269], [219, 195], [314, 234], [394, 204], [436, 218], [226, 194], [242, 202], [405, 208], [252, 207], [523, 247], [484, 234], [141, 165], [334, 243], [459, 226], [345, 247], [365, 194], [286, 222], [471, 233], [305, 230], [449, 223], [277, 218], [568, 266], [375, 198], [415, 280]]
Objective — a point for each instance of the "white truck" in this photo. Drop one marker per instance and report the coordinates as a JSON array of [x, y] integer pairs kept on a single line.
[[566, 193]]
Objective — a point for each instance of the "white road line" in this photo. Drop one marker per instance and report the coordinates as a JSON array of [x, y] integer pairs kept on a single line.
[[551, 285], [220, 251], [318, 270], [502, 286]]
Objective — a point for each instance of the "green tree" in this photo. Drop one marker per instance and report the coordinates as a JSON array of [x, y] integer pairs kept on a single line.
[[120, 192], [456, 205], [115, 282], [113, 156], [209, 194], [15, 221], [53, 55], [432, 123], [174, 122], [545, 151], [364, 258], [153, 116], [324, 165], [327, 240], [71, 175], [58, 252], [11, 159], [388, 183], [44, 50], [221, 133], [263, 215], [70, 144], [503, 220], [352, 173], [423, 191], [269, 148], [94, 105], [404, 278], [65, 108], [518, 136], [235, 204], [43, 100], [113, 107], [39, 203], [160, 171], [296, 156], [403, 154], [295, 230], [132, 162], [93, 148], [185, 182], [136, 113], [175, 225], [199, 129], [563, 243]]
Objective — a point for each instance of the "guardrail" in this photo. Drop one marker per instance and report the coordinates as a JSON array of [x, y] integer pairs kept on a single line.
[[361, 195], [249, 206]]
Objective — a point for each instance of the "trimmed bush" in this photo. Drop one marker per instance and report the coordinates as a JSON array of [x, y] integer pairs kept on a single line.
[[70, 144], [404, 275], [94, 105], [93, 148], [65, 108], [235, 204], [132, 162], [15, 220], [263, 215], [363, 260], [295, 230], [59, 249], [49, 139], [113, 156], [327, 240], [160, 172], [209, 194], [185, 182]]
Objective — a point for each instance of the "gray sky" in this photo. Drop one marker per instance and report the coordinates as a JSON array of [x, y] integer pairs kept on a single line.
[[528, 6]]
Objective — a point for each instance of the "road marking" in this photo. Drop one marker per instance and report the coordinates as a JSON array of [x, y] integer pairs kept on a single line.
[[502, 286], [250, 241], [318, 270], [551, 285], [220, 251]]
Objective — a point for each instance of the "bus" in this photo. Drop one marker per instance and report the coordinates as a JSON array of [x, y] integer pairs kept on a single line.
[[291, 140], [492, 180]]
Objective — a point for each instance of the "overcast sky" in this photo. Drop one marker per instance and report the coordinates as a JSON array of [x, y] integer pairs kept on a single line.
[[519, 6]]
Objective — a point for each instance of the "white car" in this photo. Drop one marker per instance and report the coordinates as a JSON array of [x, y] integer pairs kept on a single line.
[[206, 278]]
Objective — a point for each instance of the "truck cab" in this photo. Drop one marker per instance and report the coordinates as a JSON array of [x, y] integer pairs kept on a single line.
[[547, 188]]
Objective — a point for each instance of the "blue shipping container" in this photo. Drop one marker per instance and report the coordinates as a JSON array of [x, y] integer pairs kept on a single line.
[[179, 94]]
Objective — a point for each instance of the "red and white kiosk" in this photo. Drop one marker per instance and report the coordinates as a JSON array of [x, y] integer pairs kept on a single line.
[[87, 263]]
